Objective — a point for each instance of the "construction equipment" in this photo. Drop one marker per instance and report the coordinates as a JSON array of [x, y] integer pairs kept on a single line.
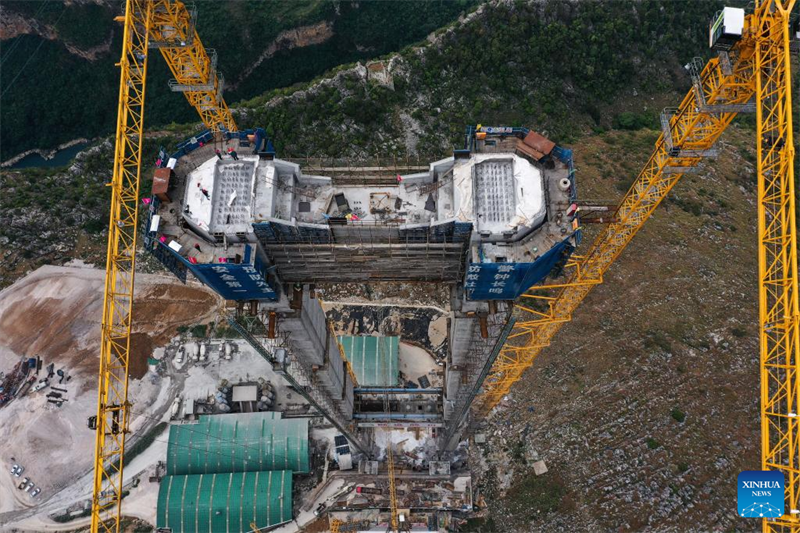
[[170, 27], [337, 526], [750, 73]]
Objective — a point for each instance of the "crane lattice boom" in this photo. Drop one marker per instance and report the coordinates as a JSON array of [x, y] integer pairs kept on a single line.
[[166, 23], [692, 134], [758, 65]]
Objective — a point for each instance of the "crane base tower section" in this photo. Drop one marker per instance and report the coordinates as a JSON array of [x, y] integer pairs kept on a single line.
[[487, 223]]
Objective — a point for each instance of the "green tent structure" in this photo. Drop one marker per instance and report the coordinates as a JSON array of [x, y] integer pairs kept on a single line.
[[225, 503], [245, 442], [374, 359]]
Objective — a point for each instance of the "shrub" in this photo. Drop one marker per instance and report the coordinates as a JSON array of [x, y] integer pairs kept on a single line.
[[199, 331], [738, 331], [537, 494], [632, 121], [678, 415]]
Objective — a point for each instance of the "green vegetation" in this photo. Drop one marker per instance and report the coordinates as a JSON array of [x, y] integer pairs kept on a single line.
[[678, 415], [557, 66], [534, 496], [50, 95], [518, 452], [657, 339], [479, 525], [739, 331], [224, 332], [629, 120], [653, 443], [198, 331]]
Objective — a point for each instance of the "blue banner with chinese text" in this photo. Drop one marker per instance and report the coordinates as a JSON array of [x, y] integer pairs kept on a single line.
[[507, 281]]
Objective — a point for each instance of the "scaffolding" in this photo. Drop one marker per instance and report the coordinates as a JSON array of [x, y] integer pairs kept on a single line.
[[366, 251]]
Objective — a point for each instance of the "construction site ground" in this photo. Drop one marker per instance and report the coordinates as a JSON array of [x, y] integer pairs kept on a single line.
[[54, 444], [55, 313]]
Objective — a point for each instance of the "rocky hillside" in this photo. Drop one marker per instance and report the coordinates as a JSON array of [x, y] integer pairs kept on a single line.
[[52, 215], [645, 407], [567, 68]]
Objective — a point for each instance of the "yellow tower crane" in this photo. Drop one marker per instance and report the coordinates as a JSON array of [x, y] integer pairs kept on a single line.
[[394, 521], [169, 26], [755, 70]]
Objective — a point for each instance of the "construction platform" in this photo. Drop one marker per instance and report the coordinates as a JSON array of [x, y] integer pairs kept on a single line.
[[269, 234], [504, 203], [487, 223]]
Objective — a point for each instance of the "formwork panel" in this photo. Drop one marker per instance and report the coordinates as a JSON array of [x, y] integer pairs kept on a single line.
[[233, 187], [461, 338], [348, 401], [494, 184]]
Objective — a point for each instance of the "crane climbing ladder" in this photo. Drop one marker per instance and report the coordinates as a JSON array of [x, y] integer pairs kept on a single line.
[[168, 26], [752, 75]]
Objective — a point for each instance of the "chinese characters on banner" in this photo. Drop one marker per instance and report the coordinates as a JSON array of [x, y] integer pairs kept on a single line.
[[507, 281], [495, 281], [242, 281]]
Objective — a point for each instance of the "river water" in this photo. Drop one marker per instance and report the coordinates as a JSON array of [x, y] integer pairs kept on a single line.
[[61, 158]]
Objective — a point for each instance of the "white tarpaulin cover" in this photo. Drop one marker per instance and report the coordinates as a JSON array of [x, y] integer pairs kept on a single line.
[[530, 206]]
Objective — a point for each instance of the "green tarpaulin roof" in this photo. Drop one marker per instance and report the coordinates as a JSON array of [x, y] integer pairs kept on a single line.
[[374, 359], [246, 442], [225, 503]]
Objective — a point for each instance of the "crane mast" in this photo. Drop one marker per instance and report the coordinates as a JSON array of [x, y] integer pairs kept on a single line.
[[169, 26], [779, 316]]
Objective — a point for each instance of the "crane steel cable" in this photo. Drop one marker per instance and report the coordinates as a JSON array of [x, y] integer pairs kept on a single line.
[[30, 57], [19, 37]]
